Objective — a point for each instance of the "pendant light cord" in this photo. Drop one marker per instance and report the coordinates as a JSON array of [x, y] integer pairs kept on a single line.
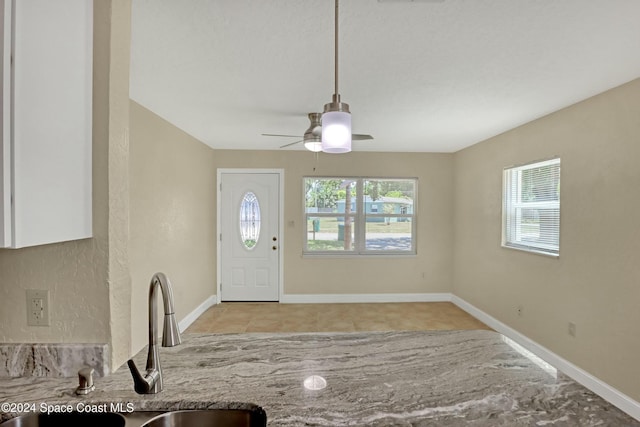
[[336, 96]]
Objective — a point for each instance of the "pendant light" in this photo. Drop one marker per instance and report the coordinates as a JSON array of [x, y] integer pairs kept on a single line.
[[336, 119]]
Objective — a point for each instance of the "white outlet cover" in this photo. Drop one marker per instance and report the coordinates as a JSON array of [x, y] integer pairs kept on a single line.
[[37, 317]]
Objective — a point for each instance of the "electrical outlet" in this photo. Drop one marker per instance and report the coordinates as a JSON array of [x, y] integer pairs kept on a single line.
[[572, 329], [520, 309], [37, 307]]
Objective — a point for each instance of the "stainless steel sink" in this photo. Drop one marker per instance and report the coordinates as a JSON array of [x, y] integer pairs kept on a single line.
[[69, 419], [210, 418], [191, 418]]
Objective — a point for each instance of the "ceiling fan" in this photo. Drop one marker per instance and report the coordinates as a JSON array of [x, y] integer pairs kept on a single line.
[[312, 137], [329, 131]]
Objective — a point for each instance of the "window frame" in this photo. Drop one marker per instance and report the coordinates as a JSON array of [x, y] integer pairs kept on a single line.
[[509, 207], [359, 218]]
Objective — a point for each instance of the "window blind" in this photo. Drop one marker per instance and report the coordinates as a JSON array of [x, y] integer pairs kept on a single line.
[[531, 207]]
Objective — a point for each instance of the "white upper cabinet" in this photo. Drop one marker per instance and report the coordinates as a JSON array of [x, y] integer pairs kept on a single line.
[[47, 82]]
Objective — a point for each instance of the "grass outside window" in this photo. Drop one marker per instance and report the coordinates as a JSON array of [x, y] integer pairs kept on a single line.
[[360, 216]]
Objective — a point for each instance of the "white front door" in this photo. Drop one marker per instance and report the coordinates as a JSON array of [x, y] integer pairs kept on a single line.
[[249, 236]]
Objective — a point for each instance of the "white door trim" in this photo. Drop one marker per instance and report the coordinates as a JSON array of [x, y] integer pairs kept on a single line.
[[280, 173]]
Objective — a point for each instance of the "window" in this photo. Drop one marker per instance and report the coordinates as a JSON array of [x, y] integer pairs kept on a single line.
[[362, 216], [249, 220], [531, 207]]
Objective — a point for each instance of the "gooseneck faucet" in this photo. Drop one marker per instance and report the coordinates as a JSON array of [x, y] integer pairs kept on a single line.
[[151, 381]]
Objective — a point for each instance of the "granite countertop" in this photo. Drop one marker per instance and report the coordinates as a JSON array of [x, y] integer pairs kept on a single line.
[[439, 378]]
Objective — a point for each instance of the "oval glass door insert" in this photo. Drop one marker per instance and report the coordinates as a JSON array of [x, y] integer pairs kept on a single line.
[[249, 220]]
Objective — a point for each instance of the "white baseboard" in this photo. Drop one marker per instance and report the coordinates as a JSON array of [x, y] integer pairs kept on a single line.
[[363, 298], [191, 317], [604, 390]]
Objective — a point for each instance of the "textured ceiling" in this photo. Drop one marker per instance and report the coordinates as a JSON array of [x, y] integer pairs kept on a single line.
[[418, 76]]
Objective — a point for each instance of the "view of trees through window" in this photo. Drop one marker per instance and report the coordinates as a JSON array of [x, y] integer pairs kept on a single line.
[[360, 215]]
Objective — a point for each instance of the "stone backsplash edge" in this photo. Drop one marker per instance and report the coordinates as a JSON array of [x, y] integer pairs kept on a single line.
[[52, 359]]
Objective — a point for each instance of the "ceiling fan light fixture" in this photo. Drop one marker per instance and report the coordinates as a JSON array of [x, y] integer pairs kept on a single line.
[[314, 145], [311, 139], [336, 120], [336, 131]]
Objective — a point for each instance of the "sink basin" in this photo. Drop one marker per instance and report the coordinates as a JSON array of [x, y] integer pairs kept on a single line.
[[69, 419], [191, 418], [210, 418]]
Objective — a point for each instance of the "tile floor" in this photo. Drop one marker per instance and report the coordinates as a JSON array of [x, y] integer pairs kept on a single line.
[[234, 317]]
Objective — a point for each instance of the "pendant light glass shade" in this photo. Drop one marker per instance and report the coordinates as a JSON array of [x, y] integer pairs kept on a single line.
[[336, 132]]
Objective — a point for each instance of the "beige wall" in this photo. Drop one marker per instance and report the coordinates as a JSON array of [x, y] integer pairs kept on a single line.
[[87, 279], [172, 214], [595, 282], [363, 275], [119, 279]]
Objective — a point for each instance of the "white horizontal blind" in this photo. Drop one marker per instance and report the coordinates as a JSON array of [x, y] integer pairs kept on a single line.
[[531, 207]]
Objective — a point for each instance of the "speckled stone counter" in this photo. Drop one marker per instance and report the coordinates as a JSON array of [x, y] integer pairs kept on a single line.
[[473, 378]]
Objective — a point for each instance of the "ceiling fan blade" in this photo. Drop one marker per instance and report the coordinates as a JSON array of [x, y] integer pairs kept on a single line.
[[360, 137], [288, 145], [284, 136]]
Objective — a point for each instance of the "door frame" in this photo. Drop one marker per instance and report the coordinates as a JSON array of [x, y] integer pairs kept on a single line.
[[280, 173]]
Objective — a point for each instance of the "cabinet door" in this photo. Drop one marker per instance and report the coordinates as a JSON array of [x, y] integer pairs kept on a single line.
[[51, 115]]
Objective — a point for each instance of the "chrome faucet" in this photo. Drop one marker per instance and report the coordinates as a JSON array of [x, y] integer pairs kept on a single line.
[[151, 381]]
